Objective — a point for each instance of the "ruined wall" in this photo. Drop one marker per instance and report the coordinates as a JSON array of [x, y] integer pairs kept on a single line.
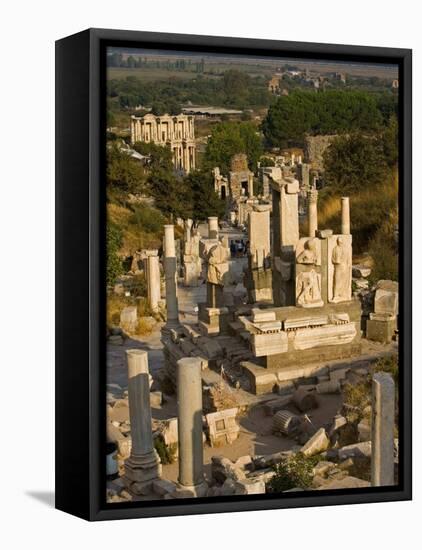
[[315, 147]]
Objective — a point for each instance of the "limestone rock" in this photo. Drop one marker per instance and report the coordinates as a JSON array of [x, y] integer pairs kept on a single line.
[[364, 430], [223, 468], [361, 271], [347, 482], [156, 399], [129, 318], [250, 487], [333, 386], [286, 422], [338, 422], [323, 467], [317, 443], [355, 450], [163, 486], [304, 399]]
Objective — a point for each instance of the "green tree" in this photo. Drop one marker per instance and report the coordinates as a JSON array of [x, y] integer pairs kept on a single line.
[[113, 243], [123, 172], [160, 156], [204, 200], [291, 117], [390, 141], [230, 138], [158, 109], [354, 162], [236, 86]]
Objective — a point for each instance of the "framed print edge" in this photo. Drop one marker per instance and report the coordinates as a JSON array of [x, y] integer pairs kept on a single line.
[[80, 268]]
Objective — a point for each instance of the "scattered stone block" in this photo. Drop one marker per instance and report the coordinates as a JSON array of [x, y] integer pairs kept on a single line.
[[120, 411], [286, 422], [346, 464], [129, 318], [222, 426], [113, 433], [317, 443], [364, 430], [333, 386], [163, 486], [210, 347], [244, 462], [387, 297], [267, 461], [223, 468], [338, 422], [362, 449], [124, 446], [304, 399], [338, 375], [323, 467], [228, 487], [348, 482], [156, 399], [169, 431], [361, 271], [250, 487], [115, 339], [272, 407], [381, 329], [262, 315]]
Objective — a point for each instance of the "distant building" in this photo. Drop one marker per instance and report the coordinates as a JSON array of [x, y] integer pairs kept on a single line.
[[274, 84], [210, 112], [177, 132]]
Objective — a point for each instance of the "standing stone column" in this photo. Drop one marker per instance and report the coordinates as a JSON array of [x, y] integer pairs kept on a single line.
[[213, 227], [153, 279], [170, 270], [191, 454], [345, 216], [382, 456], [312, 212], [143, 466]]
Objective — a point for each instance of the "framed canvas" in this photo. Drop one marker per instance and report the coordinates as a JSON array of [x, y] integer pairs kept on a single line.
[[233, 274]]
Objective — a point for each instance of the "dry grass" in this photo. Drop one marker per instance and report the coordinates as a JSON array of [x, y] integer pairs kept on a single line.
[[370, 210]]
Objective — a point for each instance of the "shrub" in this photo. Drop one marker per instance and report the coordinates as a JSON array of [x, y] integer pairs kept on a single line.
[[295, 471], [167, 453], [114, 264], [388, 364]]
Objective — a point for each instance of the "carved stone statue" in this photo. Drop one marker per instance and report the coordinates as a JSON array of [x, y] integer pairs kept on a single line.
[[218, 265], [342, 271], [308, 289], [309, 254]]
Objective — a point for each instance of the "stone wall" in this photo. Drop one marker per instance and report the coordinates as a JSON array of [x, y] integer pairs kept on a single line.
[[315, 147]]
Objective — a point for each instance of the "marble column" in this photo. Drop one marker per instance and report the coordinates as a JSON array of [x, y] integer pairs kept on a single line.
[[189, 397], [153, 279], [382, 426], [345, 216], [143, 466], [213, 227], [170, 269], [312, 212]]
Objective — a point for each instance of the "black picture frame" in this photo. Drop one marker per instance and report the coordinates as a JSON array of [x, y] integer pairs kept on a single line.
[[80, 268]]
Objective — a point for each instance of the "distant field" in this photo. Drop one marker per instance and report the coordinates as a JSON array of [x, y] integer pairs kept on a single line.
[[150, 74], [255, 68]]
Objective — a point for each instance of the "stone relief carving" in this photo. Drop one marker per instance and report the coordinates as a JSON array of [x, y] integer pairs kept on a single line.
[[311, 252], [308, 289], [341, 259], [218, 265]]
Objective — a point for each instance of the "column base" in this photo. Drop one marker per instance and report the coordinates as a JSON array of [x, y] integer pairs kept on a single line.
[[141, 471]]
